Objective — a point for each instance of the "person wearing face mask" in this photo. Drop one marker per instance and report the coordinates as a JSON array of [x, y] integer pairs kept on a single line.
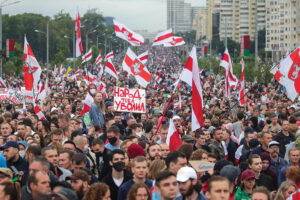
[[118, 175], [97, 111], [113, 137]]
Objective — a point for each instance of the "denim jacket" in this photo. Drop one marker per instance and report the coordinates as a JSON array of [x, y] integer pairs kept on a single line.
[[96, 116]]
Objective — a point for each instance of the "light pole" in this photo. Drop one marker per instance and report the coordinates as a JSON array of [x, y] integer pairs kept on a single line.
[[3, 4], [47, 41], [93, 30]]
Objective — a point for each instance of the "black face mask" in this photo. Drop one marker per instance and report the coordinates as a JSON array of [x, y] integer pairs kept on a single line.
[[119, 166], [98, 154], [112, 140], [206, 126]]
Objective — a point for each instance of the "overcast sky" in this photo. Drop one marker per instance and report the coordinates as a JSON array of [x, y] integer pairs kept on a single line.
[[136, 14]]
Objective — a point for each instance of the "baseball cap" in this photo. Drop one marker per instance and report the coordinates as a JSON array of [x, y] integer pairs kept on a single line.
[[247, 174], [68, 193], [10, 144], [230, 172], [80, 174], [187, 138], [24, 143], [186, 173], [6, 171], [273, 143]]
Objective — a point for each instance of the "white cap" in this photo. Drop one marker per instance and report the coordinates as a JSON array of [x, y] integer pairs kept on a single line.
[[186, 173], [175, 117], [273, 143]]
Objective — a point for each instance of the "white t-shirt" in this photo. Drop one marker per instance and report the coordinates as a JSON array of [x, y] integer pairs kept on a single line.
[[118, 182]]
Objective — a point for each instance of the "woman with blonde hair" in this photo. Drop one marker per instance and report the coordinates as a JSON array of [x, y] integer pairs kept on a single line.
[[97, 111], [286, 189], [97, 191], [155, 167], [139, 191]]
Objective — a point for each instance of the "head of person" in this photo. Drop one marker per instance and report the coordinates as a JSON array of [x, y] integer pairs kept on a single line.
[[218, 135], [206, 123], [165, 150], [113, 135], [10, 191], [98, 147], [11, 151], [218, 188], [177, 121], [57, 136], [43, 125], [266, 139], [50, 153], [39, 184], [248, 179], [63, 120], [285, 125], [175, 160], [38, 137], [212, 157], [294, 155], [261, 193], [199, 154], [166, 185], [117, 160], [6, 175], [70, 145], [99, 100], [98, 191], [6, 129], [139, 191], [164, 132], [200, 137], [81, 143], [39, 163], [274, 149], [265, 159], [293, 174], [139, 167], [255, 163], [232, 173], [249, 134], [154, 151], [80, 181], [286, 189], [78, 161], [21, 129], [65, 159], [155, 167], [187, 181], [188, 139]]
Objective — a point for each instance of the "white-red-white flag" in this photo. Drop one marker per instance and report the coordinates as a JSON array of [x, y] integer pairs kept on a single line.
[[158, 78], [38, 112], [173, 138], [135, 67], [100, 70], [2, 83], [242, 89], [55, 70], [98, 59], [31, 67], [61, 70], [89, 78], [89, 100], [143, 57], [176, 41], [163, 37], [77, 73], [190, 75], [41, 92], [87, 56], [78, 36], [125, 33], [288, 74], [110, 55], [110, 69], [230, 79]]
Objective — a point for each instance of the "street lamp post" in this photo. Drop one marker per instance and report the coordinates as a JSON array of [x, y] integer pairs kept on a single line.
[[93, 30], [4, 3], [47, 41]]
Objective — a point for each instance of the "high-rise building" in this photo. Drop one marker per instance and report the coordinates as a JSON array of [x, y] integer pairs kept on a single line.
[[180, 15], [282, 25], [200, 23]]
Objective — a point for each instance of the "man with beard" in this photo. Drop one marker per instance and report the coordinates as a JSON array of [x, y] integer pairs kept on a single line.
[[154, 152], [80, 182], [13, 159], [216, 146], [113, 136], [39, 185], [189, 186], [118, 175]]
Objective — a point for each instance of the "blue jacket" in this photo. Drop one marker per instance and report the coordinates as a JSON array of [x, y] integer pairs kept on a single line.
[[96, 116]]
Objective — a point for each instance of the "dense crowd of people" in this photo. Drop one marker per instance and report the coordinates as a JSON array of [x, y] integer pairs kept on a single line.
[[253, 149]]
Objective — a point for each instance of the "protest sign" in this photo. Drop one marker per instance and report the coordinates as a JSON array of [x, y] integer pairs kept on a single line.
[[129, 100], [201, 166]]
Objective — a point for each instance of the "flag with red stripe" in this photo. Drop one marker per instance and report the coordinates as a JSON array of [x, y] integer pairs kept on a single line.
[[110, 69], [110, 55], [135, 67], [242, 89], [163, 37], [190, 75], [89, 100], [143, 57], [2, 83], [176, 41], [98, 59], [173, 138], [87, 56], [78, 36], [125, 33], [38, 112]]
